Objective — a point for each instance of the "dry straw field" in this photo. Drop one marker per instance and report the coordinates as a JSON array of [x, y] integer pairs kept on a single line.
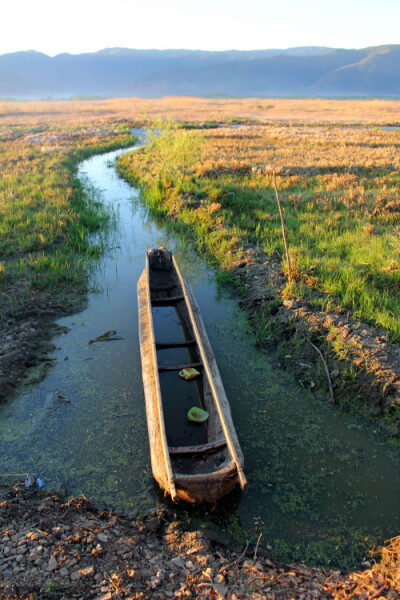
[[201, 109], [339, 184]]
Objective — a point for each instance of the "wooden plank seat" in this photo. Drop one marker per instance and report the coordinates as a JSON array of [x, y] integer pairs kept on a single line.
[[167, 301], [199, 449], [196, 365], [163, 288], [164, 346], [201, 472]]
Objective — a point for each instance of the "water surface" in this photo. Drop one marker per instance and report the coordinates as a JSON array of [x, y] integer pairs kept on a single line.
[[322, 486]]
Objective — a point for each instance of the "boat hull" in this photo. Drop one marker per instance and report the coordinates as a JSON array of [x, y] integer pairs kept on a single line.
[[206, 471]]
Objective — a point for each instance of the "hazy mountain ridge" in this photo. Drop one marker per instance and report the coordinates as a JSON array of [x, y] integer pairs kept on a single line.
[[114, 72]]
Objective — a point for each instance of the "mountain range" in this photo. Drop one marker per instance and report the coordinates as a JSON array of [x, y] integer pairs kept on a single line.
[[115, 72]]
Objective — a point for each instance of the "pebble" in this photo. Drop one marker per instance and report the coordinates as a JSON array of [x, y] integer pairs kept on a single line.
[[134, 574], [290, 303], [178, 562], [106, 596], [87, 571], [221, 590], [162, 574], [52, 564]]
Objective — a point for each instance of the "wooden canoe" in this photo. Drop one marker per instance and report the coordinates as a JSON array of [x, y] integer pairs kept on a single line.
[[196, 462]]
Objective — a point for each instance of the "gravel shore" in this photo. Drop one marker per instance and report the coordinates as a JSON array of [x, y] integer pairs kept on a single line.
[[56, 549]]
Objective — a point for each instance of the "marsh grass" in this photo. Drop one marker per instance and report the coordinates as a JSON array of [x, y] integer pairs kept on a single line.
[[46, 215], [339, 190]]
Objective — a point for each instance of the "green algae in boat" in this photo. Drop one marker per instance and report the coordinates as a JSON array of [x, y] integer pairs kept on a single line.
[[186, 468]]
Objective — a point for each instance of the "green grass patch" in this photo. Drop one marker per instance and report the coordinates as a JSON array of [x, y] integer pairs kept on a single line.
[[340, 194], [46, 216]]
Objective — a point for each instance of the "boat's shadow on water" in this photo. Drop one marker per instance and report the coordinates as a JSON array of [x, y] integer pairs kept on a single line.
[[221, 521]]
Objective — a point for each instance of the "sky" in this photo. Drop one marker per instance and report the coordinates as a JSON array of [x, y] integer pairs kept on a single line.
[[75, 26]]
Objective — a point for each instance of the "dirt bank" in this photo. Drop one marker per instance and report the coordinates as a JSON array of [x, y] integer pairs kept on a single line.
[[27, 330], [56, 550], [331, 353]]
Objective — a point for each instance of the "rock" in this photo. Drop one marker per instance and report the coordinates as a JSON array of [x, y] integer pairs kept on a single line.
[[290, 303], [52, 564], [28, 514], [178, 562], [106, 596], [57, 532], [97, 551], [102, 537], [64, 572], [75, 576], [155, 582], [87, 571], [221, 590], [34, 536], [134, 574]]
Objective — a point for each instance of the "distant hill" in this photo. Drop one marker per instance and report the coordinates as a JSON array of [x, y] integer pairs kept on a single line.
[[305, 71]]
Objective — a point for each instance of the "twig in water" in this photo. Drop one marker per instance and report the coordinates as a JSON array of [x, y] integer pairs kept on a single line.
[[283, 230], [262, 423], [326, 370], [108, 336]]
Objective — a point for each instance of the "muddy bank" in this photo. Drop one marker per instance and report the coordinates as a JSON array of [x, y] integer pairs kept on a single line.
[[27, 330], [52, 549], [335, 355]]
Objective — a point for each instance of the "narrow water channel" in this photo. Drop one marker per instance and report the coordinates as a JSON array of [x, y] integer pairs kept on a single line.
[[323, 487]]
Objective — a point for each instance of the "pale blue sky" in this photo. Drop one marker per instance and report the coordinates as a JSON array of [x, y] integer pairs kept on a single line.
[[54, 26]]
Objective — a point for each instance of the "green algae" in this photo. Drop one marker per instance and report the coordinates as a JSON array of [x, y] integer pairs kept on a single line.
[[323, 486]]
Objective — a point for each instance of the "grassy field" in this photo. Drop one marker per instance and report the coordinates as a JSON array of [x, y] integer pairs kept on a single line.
[[200, 110], [337, 166], [340, 192], [338, 186], [45, 217]]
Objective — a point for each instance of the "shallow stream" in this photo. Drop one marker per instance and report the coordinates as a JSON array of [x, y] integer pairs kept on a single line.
[[322, 487]]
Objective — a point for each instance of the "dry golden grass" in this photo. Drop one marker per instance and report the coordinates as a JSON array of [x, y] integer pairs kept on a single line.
[[340, 190], [201, 109]]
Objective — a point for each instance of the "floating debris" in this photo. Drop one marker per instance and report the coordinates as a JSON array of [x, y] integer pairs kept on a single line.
[[198, 415], [108, 336], [189, 373], [29, 481]]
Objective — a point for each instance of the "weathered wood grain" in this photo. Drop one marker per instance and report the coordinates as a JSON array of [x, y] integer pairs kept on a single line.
[[197, 472]]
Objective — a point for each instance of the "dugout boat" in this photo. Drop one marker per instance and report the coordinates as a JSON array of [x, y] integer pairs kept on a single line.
[[194, 449]]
